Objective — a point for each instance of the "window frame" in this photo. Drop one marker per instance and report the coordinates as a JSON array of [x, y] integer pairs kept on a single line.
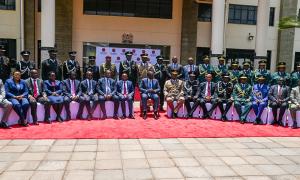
[[235, 15], [205, 17], [8, 5]]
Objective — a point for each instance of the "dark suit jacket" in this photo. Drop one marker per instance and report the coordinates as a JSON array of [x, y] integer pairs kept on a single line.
[[101, 88], [179, 69], [40, 85], [67, 87], [12, 90], [160, 73], [68, 66], [84, 86], [186, 69], [130, 88], [202, 89], [49, 89], [273, 93], [144, 86], [94, 69], [190, 88]]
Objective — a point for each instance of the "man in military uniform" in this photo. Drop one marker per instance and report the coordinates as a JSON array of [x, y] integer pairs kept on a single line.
[[260, 98], [190, 88], [160, 73], [281, 74], [173, 91], [51, 64], [175, 66], [295, 105], [234, 73], [108, 65], [130, 67], [206, 93], [4, 65], [246, 71], [144, 67], [224, 90], [279, 95], [262, 70], [205, 68], [190, 68], [91, 66], [220, 69], [295, 76], [242, 97], [25, 65], [71, 65]]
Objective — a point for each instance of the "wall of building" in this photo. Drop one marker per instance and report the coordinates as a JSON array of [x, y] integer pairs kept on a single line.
[[236, 35], [10, 25], [95, 28]]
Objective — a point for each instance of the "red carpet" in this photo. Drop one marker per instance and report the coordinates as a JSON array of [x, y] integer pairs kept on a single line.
[[138, 128]]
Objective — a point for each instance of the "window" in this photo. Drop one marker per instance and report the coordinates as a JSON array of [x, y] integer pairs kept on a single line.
[[272, 16], [135, 8], [7, 5], [204, 12], [10, 47], [242, 14]]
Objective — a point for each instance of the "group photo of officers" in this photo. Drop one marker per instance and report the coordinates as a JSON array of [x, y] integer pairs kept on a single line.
[[190, 85]]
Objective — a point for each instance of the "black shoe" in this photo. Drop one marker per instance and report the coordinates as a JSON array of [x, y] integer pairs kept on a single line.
[[123, 117], [104, 117], [156, 116], [59, 119], [190, 116], [115, 117], [175, 115], [68, 118], [4, 125], [24, 124], [131, 116], [205, 116], [144, 115], [243, 121], [280, 123], [35, 123], [47, 121]]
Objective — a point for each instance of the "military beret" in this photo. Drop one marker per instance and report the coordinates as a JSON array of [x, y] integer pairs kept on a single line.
[[72, 53], [92, 58], [25, 53], [128, 53], [144, 55], [159, 57], [281, 64]]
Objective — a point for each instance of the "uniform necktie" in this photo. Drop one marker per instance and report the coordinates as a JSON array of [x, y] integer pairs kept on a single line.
[[208, 89], [73, 88], [35, 93], [124, 87]]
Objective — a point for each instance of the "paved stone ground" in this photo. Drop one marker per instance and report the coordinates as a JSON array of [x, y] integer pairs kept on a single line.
[[193, 158]]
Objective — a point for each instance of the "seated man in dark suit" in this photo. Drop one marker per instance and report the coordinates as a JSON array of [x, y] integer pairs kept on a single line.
[[206, 94], [125, 92], [37, 94], [190, 88], [72, 92], [107, 92], [279, 96], [150, 89], [89, 93]]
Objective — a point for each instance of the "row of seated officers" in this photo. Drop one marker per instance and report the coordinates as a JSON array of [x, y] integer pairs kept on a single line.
[[19, 94]]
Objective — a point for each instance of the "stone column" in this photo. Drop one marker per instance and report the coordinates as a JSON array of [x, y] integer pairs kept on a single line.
[[29, 27], [189, 30], [263, 12], [217, 38], [47, 26]]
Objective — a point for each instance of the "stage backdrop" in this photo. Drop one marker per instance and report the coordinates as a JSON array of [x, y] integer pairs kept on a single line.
[[118, 54]]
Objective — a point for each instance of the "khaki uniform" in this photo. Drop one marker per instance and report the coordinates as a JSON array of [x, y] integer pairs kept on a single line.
[[173, 90], [143, 69]]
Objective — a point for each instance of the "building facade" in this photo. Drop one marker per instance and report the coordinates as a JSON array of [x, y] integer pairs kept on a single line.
[[239, 29]]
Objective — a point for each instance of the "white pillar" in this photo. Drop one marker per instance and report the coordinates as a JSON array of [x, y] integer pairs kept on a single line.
[[217, 37], [263, 11], [47, 26]]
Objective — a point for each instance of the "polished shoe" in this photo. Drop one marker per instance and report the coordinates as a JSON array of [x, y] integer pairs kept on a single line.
[[4, 125], [68, 118], [175, 115], [144, 115], [59, 119], [104, 117], [24, 124], [47, 121], [243, 121], [280, 123], [156, 116], [123, 117], [131, 116], [35, 123]]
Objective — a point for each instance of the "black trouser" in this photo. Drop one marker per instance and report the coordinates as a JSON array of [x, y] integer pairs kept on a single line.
[[161, 96], [187, 104], [33, 104], [202, 103], [227, 103], [282, 107]]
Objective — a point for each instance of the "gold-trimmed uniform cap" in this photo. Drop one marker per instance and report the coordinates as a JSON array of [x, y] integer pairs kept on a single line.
[[128, 53], [144, 55], [92, 58], [281, 64], [221, 58], [262, 62], [159, 57], [206, 58], [243, 77], [25, 53]]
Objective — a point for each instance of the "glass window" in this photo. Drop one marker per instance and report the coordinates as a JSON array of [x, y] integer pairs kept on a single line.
[[242, 14], [272, 16], [136, 8], [204, 12], [7, 5]]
